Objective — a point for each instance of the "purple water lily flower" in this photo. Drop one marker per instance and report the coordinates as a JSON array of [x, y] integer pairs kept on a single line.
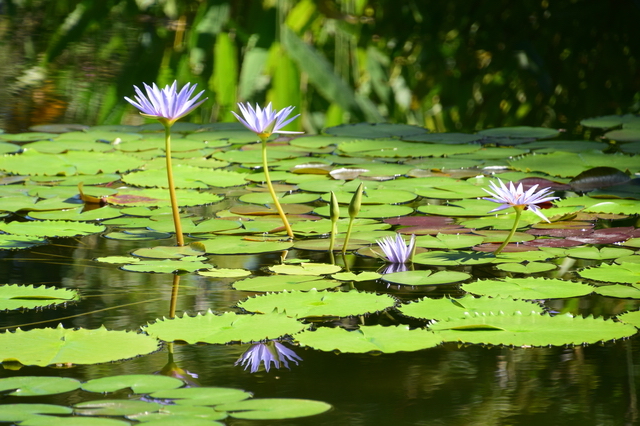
[[269, 352], [517, 197], [265, 121], [167, 105], [396, 250]]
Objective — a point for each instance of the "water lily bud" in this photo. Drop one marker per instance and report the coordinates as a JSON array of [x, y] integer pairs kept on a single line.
[[356, 201], [334, 208]]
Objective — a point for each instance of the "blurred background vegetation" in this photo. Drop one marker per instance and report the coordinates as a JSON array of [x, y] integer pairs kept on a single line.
[[446, 65]]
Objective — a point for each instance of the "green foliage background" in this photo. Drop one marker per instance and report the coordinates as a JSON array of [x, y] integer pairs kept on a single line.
[[445, 65]]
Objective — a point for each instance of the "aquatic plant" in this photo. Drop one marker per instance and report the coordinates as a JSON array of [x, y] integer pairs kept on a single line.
[[520, 200], [264, 122], [396, 250], [168, 106], [271, 352]]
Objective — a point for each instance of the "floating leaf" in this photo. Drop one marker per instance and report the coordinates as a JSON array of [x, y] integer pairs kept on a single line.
[[371, 211], [528, 268], [202, 395], [369, 339], [274, 408], [618, 290], [449, 241], [632, 318], [225, 328], [442, 258], [319, 303], [624, 273], [186, 177], [138, 383], [528, 288], [238, 245], [425, 277], [13, 296], [598, 254], [531, 330], [114, 407], [360, 276], [447, 308], [372, 131], [66, 346], [224, 273], [51, 228], [19, 412], [167, 266], [306, 269], [183, 415], [285, 283], [37, 386], [44, 420], [525, 132]]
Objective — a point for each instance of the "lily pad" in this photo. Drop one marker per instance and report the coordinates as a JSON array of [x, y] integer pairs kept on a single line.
[[186, 177], [425, 277], [531, 330], [67, 346], [448, 308], [13, 296], [19, 412], [196, 396], [51, 228], [529, 288], [374, 338], [138, 383], [285, 283], [624, 273], [319, 303], [528, 268], [114, 407], [239, 245], [306, 269], [225, 328], [274, 408], [37, 386]]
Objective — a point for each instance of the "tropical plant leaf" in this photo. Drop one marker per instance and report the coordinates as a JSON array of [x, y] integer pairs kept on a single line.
[[225, 328]]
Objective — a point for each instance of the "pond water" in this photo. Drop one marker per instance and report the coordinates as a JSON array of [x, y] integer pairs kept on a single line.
[[449, 384]]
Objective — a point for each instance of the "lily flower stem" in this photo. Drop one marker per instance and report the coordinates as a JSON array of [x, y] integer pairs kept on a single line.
[[346, 239], [175, 210], [518, 210], [265, 168], [174, 296]]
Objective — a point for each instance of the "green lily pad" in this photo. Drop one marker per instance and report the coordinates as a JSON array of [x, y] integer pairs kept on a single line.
[[19, 412], [374, 338], [13, 296], [319, 303], [51, 228], [224, 273], [168, 266], [447, 308], [265, 198], [443, 258], [370, 211], [285, 283], [167, 252], [632, 318], [525, 132], [528, 288], [78, 214], [619, 291], [138, 383], [377, 130], [114, 407], [186, 177], [18, 242], [67, 346], [238, 245], [274, 408], [448, 241], [306, 269], [531, 330], [225, 328], [598, 254], [37, 386], [624, 273], [425, 277], [202, 395], [529, 268], [44, 420], [360, 276], [183, 415], [160, 197], [572, 164], [71, 163]]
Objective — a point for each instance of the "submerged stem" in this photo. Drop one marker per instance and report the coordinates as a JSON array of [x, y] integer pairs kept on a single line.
[[175, 211], [518, 210], [265, 168]]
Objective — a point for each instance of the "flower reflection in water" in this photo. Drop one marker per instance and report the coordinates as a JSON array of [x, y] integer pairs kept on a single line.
[[267, 353]]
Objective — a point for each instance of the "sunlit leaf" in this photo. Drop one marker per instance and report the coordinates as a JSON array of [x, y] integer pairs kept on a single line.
[[225, 328], [138, 383], [274, 408], [446, 308], [13, 296], [37, 386], [528, 288], [425, 277]]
